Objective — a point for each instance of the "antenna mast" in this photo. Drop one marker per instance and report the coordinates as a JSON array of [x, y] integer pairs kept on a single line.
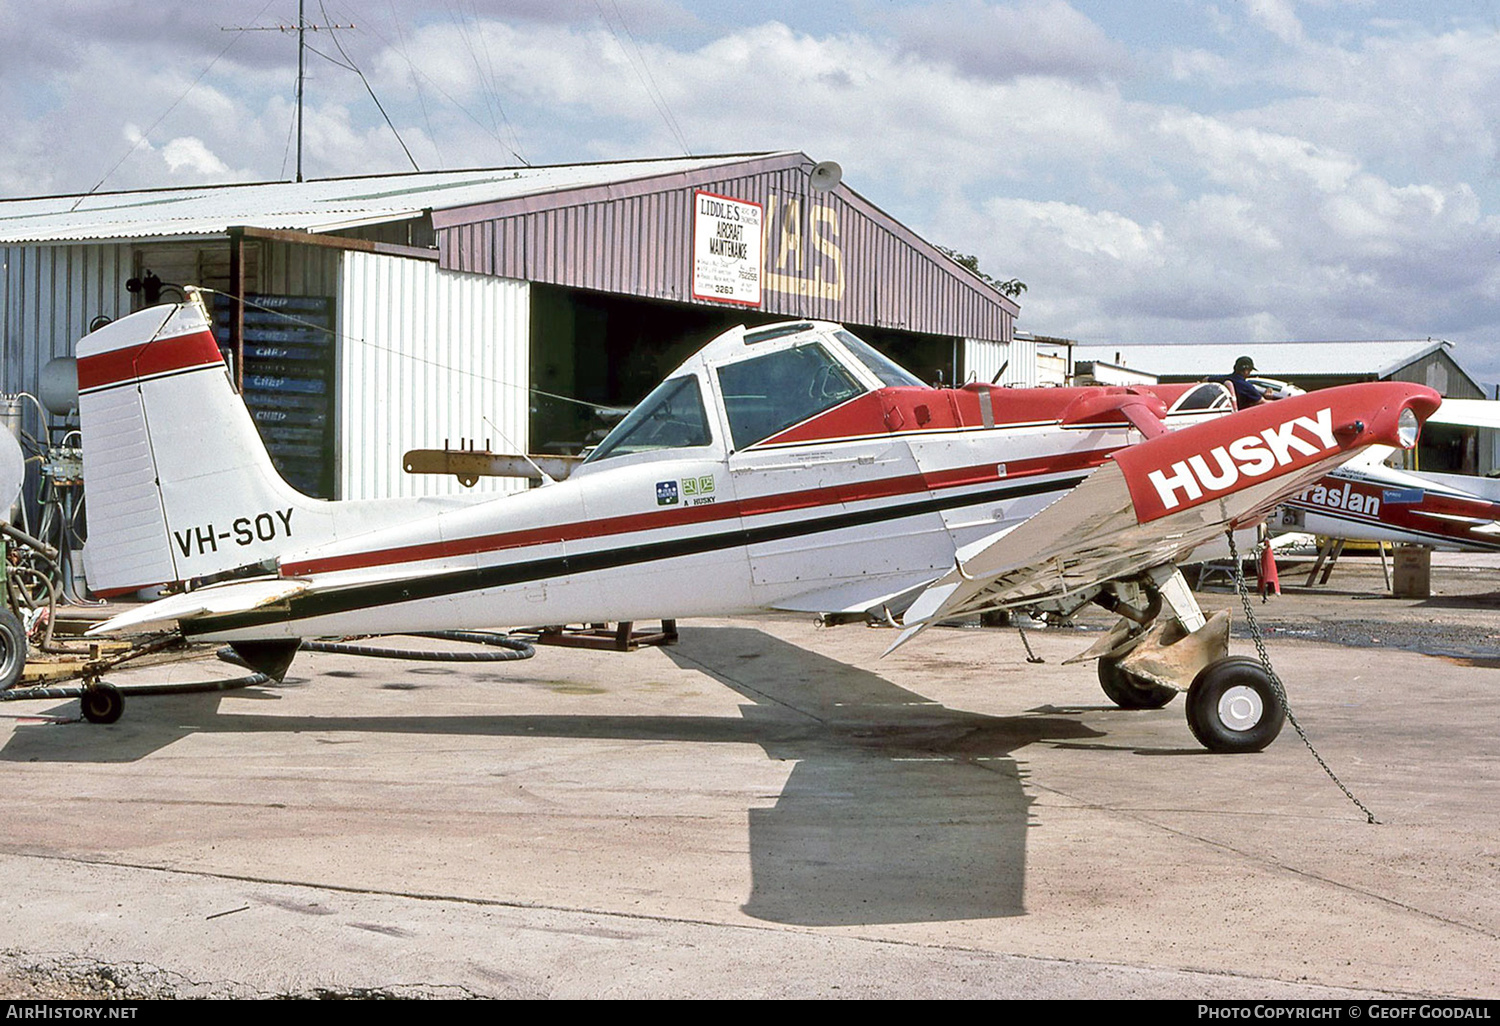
[[301, 29], [301, 78]]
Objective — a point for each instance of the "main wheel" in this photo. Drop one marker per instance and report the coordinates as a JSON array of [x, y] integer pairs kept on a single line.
[[1130, 691], [102, 703], [12, 648], [1233, 707]]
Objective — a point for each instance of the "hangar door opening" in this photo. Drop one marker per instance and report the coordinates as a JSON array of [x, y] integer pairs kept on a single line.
[[594, 355]]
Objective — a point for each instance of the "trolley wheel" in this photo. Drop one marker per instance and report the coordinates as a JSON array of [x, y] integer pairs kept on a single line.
[[1233, 707], [1129, 691], [102, 703], [12, 648]]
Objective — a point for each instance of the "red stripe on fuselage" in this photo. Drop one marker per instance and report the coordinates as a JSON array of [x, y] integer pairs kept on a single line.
[[159, 356], [682, 516]]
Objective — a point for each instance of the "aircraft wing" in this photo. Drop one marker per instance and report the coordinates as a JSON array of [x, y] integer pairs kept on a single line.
[[1156, 501], [1481, 413]]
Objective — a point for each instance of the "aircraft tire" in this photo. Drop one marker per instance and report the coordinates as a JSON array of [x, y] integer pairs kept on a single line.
[[1128, 691], [1233, 707], [12, 648], [102, 703]]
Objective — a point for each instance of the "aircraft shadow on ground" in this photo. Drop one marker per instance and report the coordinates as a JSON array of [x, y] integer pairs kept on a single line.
[[891, 799]]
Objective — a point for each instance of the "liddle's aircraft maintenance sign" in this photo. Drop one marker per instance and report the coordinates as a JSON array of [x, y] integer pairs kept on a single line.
[[726, 249]]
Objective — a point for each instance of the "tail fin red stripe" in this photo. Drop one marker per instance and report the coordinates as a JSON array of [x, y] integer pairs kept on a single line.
[[159, 356]]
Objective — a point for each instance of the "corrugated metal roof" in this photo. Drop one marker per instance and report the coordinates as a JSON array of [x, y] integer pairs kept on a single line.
[[624, 226], [828, 254], [1272, 359], [320, 205]]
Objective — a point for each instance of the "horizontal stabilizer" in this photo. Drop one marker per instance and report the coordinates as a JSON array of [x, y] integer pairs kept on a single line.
[[235, 597]]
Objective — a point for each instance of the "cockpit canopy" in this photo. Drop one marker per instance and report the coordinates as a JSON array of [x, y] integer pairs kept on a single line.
[[746, 386], [672, 416]]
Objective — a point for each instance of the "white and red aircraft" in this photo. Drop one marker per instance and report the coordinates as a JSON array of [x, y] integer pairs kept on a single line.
[[788, 467], [1366, 500]]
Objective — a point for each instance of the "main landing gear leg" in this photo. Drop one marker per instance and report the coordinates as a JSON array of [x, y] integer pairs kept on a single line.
[[1144, 661]]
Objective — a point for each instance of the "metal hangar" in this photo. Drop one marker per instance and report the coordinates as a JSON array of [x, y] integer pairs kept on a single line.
[[524, 306]]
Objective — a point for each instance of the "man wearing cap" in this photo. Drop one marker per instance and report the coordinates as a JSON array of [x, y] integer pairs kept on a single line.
[[1245, 394]]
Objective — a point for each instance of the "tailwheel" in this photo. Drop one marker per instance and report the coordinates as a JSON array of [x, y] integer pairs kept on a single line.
[[1233, 706], [102, 703], [1129, 690]]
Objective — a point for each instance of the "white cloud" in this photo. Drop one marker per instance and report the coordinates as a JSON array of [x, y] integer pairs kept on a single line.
[[1199, 65], [901, 119], [1410, 101], [188, 152], [1252, 158], [1216, 221]]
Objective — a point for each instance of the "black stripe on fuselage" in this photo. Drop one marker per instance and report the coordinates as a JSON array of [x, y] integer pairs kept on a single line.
[[454, 582]]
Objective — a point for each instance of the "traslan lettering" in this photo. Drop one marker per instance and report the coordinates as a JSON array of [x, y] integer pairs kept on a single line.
[[1250, 456], [1345, 498]]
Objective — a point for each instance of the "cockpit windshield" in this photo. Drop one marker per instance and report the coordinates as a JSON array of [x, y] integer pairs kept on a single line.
[[671, 417], [1208, 396], [768, 394], [890, 373]]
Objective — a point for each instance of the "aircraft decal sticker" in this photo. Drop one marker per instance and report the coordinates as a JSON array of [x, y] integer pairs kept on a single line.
[[1349, 498], [1251, 455], [698, 490], [666, 493]]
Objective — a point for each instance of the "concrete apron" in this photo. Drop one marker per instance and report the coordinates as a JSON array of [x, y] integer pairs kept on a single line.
[[766, 809]]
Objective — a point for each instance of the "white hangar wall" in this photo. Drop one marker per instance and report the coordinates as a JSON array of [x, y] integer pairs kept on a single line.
[[983, 360], [426, 355], [48, 296]]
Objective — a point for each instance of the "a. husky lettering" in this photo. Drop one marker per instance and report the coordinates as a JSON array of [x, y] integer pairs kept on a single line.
[[1250, 456], [246, 530]]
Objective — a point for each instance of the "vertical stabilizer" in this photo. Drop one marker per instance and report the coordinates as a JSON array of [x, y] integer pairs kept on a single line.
[[179, 484]]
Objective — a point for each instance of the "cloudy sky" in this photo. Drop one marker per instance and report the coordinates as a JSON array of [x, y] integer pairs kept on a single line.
[[1177, 170]]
